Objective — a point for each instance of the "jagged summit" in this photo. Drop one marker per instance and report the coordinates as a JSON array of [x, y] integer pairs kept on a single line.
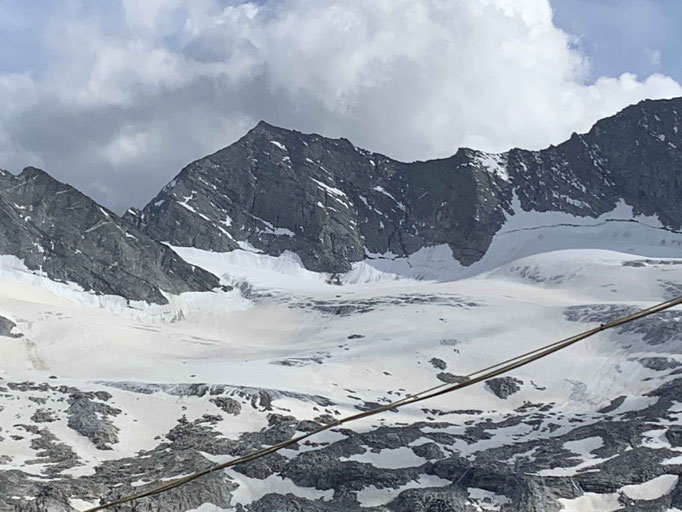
[[264, 126], [55, 229], [31, 172], [324, 199], [333, 203]]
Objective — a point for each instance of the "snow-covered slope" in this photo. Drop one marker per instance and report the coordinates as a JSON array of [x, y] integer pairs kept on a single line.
[[101, 402], [524, 233]]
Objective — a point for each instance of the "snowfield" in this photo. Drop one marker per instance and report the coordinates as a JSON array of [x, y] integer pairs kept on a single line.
[[207, 369]]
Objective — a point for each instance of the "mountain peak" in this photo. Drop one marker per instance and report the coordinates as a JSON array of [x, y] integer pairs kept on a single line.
[[68, 236], [332, 203], [265, 127], [31, 172]]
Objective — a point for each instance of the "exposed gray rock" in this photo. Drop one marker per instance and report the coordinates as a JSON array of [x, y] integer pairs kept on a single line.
[[425, 500], [438, 363], [672, 289], [429, 451], [659, 363], [504, 387], [327, 201], [332, 203], [6, 328], [449, 342], [259, 397], [659, 329], [615, 404], [674, 435], [291, 503], [43, 416], [651, 263], [50, 451], [228, 405], [55, 228], [450, 378], [91, 419], [508, 470]]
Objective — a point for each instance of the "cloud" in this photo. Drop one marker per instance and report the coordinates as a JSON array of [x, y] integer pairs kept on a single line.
[[118, 111], [654, 57]]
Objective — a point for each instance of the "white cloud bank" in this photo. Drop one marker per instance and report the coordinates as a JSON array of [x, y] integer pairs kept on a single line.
[[120, 110]]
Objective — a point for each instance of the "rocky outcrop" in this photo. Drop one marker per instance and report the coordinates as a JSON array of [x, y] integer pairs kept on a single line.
[[56, 230], [504, 387], [528, 472], [331, 203], [91, 418], [7, 328]]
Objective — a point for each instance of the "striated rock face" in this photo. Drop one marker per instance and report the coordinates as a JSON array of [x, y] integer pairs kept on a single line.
[[56, 229], [332, 203], [327, 201]]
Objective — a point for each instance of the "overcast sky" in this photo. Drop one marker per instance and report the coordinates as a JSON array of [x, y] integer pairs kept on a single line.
[[116, 96]]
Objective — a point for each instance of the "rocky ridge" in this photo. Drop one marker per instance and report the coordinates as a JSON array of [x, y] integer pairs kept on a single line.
[[56, 230], [333, 204]]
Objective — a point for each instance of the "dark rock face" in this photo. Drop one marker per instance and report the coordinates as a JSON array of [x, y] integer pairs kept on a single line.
[[438, 363], [48, 447], [504, 387], [659, 363], [228, 405], [327, 201], [450, 378], [332, 203], [6, 328], [53, 227], [90, 418], [522, 474]]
